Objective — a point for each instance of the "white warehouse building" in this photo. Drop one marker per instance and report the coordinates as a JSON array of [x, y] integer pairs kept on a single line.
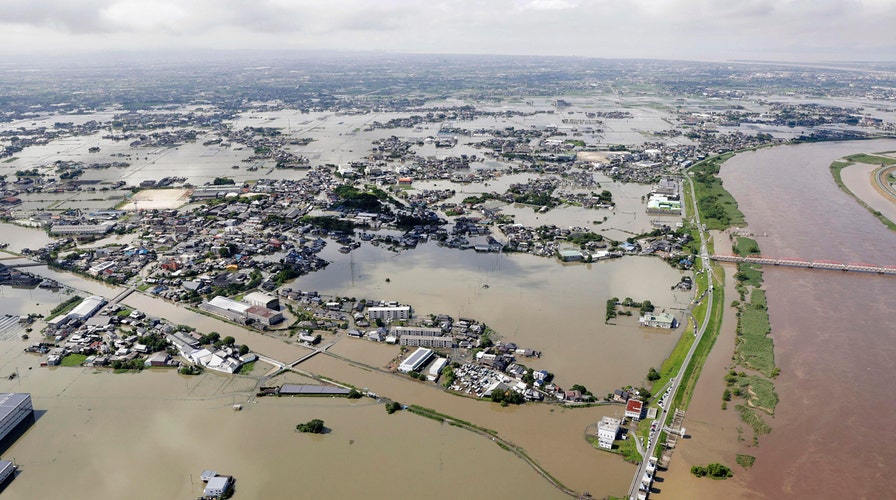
[[14, 408], [416, 360]]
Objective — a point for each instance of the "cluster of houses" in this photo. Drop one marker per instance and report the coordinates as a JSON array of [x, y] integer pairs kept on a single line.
[[226, 359], [110, 333], [438, 331], [482, 380]]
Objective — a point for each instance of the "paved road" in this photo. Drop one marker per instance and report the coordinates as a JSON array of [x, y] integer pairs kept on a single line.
[[676, 383]]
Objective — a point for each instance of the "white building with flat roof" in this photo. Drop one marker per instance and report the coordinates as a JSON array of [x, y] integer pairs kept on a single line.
[[416, 360], [607, 430], [426, 341], [658, 320], [389, 313], [437, 366], [216, 486], [400, 331]]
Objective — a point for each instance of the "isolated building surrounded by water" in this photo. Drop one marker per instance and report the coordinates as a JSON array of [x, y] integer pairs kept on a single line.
[[15, 407]]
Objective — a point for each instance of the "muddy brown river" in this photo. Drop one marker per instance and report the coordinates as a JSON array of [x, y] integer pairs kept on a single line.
[[834, 341]]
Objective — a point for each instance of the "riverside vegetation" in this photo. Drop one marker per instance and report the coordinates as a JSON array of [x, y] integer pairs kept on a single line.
[[754, 349]]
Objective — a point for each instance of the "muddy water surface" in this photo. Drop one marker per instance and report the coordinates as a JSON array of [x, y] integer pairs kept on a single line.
[[833, 331]]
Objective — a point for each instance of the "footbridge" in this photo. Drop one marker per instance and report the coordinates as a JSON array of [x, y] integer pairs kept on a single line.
[[817, 264]]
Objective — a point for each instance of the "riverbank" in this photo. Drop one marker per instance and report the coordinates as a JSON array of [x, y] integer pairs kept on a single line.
[[711, 430], [855, 174]]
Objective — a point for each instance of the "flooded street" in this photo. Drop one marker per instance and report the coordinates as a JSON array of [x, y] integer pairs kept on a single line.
[[833, 334]]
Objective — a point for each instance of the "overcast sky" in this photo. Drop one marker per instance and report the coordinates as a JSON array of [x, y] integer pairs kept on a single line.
[[715, 30]]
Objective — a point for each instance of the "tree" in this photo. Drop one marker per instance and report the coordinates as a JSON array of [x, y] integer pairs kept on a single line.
[[354, 394], [314, 426], [653, 375], [646, 307], [393, 407], [228, 340], [244, 349], [716, 470], [581, 388], [529, 377], [211, 338]]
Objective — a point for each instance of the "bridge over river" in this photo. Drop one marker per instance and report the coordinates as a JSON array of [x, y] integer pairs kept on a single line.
[[818, 264]]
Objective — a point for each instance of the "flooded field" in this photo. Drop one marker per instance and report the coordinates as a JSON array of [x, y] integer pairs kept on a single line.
[[104, 432], [183, 425], [535, 302], [552, 436]]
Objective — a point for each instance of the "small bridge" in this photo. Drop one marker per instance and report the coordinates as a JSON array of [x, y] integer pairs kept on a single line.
[[818, 264]]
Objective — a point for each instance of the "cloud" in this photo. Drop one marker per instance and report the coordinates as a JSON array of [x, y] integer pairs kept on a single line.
[[549, 5], [682, 29]]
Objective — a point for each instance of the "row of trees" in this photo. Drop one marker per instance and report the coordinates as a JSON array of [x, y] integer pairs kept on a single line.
[[214, 338]]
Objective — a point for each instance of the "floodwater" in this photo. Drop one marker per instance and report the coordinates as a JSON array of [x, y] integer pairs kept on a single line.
[[150, 435], [535, 302], [833, 334]]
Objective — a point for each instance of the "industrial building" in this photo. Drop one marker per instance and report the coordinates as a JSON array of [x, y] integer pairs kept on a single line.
[[88, 307], [416, 360], [263, 300], [607, 430], [82, 229], [570, 255], [263, 315], [389, 313], [240, 311], [217, 486], [663, 205], [14, 408], [228, 308], [437, 366], [7, 469]]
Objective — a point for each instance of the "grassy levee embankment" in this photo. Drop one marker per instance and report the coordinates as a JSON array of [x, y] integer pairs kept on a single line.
[[839, 165], [701, 352]]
